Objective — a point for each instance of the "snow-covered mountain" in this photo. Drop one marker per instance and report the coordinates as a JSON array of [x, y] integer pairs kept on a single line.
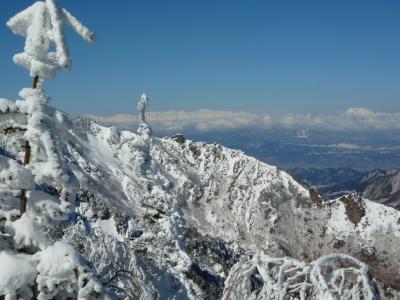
[[170, 218], [92, 212]]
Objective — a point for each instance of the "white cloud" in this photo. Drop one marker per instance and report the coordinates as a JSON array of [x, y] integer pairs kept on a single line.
[[346, 146], [203, 120], [206, 120]]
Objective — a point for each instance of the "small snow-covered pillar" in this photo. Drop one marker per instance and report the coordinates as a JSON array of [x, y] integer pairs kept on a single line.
[[144, 101], [144, 129]]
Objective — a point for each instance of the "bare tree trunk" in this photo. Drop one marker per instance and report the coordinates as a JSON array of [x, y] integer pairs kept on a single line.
[[35, 82], [23, 203], [27, 158]]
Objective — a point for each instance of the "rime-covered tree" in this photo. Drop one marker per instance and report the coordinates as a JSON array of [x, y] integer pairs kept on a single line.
[[42, 25], [33, 263]]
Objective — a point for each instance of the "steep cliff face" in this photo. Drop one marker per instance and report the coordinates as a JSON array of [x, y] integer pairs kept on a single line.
[[169, 218]]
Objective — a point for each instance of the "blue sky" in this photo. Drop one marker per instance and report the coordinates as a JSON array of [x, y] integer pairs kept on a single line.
[[257, 56]]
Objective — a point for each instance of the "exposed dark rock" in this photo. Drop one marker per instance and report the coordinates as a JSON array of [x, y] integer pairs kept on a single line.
[[211, 285], [354, 209], [179, 138], [315, 197]]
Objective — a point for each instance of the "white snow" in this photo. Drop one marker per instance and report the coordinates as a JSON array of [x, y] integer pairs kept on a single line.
[[378, 218], [14, 176], [61, 274], [108, 227], [18, 271], [27, 232], [7, 105]]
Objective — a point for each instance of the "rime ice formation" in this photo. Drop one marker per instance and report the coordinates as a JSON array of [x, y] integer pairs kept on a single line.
[[143, 102], [144, 129], [42, 25], [336, 276]]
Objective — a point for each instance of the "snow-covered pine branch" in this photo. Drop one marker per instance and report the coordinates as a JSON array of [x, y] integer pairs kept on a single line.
[[42, 24]]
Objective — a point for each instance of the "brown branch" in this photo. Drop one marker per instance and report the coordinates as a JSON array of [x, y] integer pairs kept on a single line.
[[27, 158], [35, 82]]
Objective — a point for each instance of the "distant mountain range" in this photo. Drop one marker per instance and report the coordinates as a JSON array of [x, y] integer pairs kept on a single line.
[[357, 138], [301, 148], [377, 185]]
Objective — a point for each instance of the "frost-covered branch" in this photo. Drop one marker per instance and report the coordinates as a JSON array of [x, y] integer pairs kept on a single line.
[[42, 24], [58, 35], [79, 28], [336, 276]]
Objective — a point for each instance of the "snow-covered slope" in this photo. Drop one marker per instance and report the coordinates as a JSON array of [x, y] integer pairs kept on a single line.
[[384, 189], [170, 218], [382, 186]]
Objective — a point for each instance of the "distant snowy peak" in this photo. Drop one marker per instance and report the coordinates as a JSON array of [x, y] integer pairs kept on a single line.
[[360, 113]]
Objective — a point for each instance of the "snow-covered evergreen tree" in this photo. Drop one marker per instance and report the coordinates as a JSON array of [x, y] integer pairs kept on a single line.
[[38, 266]]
